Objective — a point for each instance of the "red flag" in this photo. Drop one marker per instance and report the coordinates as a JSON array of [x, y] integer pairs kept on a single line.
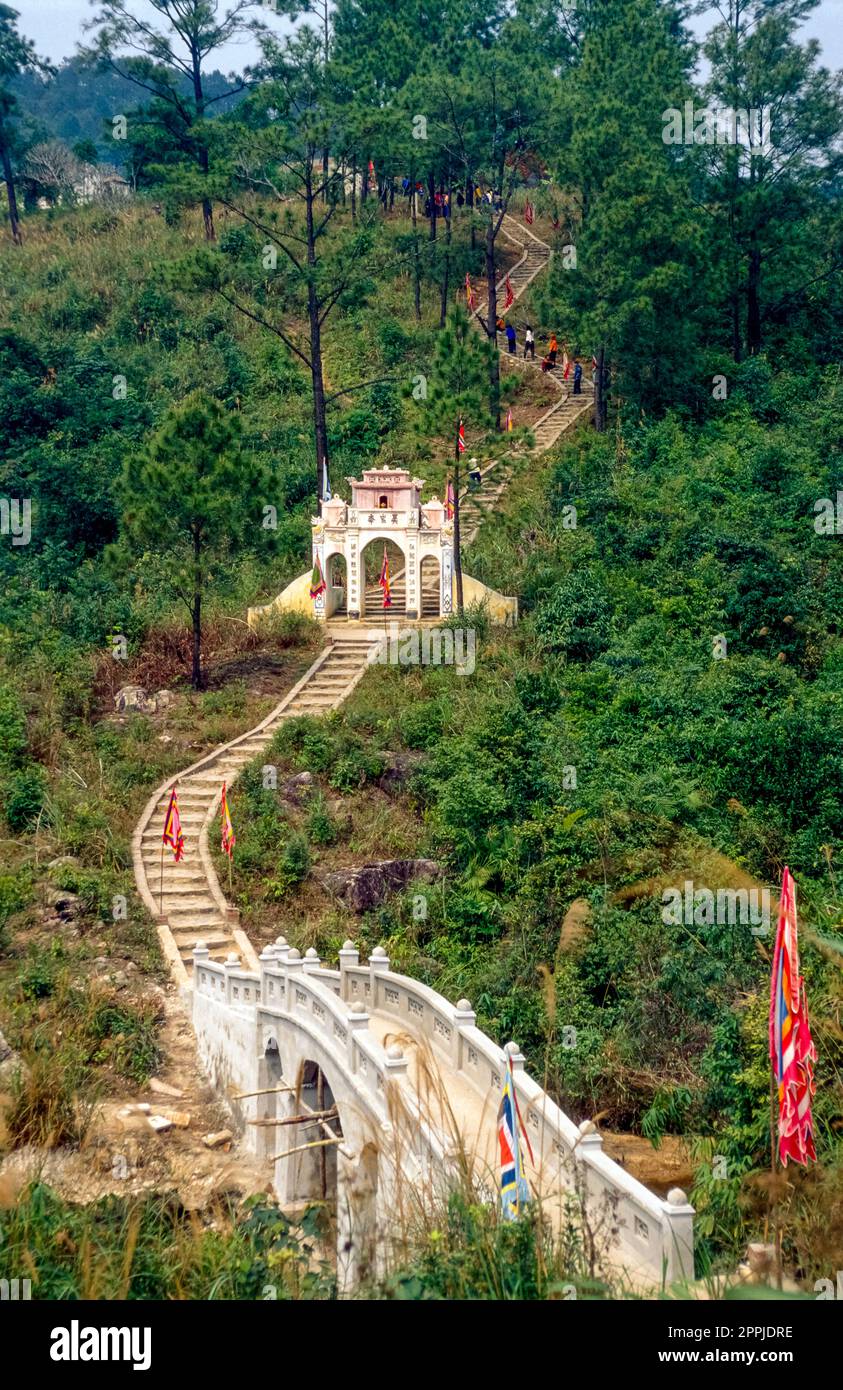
[[461, 438], [449, 501], [469, 292], [371, 170], [510, 297], [566, 364], [228, 839], [593, 363], [528, 214], [384, 581], [792, 1050], [172, 828], [509, 420]]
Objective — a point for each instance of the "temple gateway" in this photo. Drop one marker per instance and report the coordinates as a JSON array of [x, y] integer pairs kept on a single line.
[[385, 518]]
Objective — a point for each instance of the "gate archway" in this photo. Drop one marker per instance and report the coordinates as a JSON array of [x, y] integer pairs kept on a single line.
[[371, 567], [431, 587]]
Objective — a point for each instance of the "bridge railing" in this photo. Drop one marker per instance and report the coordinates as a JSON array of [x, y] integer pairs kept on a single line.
[[653, 1235]]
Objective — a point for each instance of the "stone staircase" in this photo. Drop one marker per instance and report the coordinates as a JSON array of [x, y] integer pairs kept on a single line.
[[185, 898]]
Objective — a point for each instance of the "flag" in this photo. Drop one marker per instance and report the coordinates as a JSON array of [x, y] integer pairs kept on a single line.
[[509, 420], [566, 364], [510, 297], [461, 438], [317, 579], [469, 292], [326, 482], [172, 827], [514, 1190], [229, 839], [449, 501], [384, 580], [372, 176], [528, 213], [593, 363], [792, 1050]]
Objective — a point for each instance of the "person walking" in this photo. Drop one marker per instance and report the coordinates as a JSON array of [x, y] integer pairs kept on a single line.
[[552, 350], [578, 379], [529, 343], [510, 337]]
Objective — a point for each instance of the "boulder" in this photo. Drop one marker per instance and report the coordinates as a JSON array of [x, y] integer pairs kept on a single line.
[[368, 885], [134, 697], [399, 771], [298, 788], [9, 1063], [163, 699], [65, 905]]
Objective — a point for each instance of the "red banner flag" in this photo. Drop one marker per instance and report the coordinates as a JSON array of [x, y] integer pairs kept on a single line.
[[510, 297], [509, 420], [792, 1050], [528, 214], [172, 828], [384, 581], [461, 438], [469, 292], [449, 501]]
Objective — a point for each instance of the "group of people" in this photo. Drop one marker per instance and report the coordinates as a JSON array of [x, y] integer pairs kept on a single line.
[[548, 362], [438, 204]]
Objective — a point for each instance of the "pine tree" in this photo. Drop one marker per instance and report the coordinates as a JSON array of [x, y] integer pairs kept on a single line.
[[17, 55], [457, 394], [158, 59], [189, 498]]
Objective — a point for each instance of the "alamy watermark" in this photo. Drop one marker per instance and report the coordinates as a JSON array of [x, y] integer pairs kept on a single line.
[[427, 646], [16, 519], [718, 125], [701, 907]]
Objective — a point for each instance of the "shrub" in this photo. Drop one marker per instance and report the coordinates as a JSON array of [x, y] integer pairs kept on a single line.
[[24, 797]]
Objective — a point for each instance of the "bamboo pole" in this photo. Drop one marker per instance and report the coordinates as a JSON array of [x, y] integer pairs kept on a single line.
[[777, 1233], [268, 1091], [313, 1117], [300, 1148]]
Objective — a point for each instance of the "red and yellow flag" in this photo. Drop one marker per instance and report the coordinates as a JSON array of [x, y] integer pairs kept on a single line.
[[510, 296], [384, 581], [317, 580], [792, 1050], [229, 839], [449, 501], [509, 420], [469, 292], [172, 827], [461, 438]]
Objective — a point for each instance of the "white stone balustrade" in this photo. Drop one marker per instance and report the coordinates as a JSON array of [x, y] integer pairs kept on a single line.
[[653, 1238]]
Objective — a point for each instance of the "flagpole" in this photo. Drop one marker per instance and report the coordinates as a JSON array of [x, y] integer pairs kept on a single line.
[[777, 1234]]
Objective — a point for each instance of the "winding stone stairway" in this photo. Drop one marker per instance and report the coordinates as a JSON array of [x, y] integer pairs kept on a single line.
[[185, 898]]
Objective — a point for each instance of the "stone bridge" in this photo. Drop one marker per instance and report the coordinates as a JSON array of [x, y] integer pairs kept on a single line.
[[399, 1091]]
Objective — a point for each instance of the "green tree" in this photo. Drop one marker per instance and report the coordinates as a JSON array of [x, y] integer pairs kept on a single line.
[[766, 182], [457, 394], [17, 56], [159, 59], [189, 498]]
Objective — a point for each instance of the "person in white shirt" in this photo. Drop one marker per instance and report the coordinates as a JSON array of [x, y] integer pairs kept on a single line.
[[529, 344]]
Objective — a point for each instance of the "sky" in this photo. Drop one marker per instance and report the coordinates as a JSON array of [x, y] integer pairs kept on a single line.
[[56, 28]]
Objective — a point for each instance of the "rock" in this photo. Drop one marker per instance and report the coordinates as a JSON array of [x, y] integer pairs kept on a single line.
[[65, 905], [133, 697], [219, 1140], [163, 699], [298, 787], [366, 887], [399, 771], [162, 1089], [159, 1123], [179, 1118]]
